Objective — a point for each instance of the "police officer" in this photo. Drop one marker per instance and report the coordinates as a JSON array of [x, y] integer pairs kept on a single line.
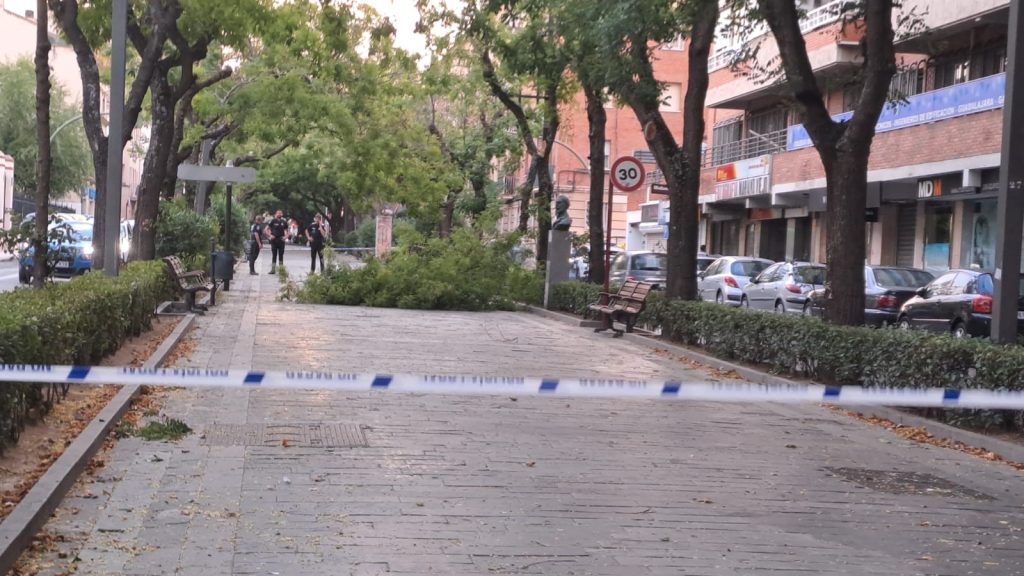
[[316, 234], [255, 243], [277, 228]]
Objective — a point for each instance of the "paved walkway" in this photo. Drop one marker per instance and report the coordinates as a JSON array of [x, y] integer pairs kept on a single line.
[[499, 485]]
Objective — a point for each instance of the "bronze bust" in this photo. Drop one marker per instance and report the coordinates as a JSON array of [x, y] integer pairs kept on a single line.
[[562, 220]]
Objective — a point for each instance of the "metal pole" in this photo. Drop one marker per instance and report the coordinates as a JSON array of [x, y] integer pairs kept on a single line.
[[203, 188], [1010, 220], [608, 242], [115, 145]]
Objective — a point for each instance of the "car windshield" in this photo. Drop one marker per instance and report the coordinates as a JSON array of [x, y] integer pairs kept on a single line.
[[809, 274], [73, 233], [649, 262], [984, 285], [748, 268], [703, 263], [901, 277]]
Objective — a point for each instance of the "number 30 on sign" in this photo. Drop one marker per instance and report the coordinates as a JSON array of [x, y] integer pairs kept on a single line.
[[628, 174]]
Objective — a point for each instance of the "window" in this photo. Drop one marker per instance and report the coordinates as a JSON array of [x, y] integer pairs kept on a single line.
[[670, 97], [960, 283], [677, 45], [951, 71], [724, 140], [768, 121], [988, 62], [607, 155], [907, 82], [619, 264], [748, 268], [941, 284]]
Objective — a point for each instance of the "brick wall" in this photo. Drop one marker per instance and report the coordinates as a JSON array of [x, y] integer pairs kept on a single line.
[[961, 137]]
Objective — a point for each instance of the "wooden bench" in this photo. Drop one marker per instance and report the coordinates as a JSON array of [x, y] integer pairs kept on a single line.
[[623, 306], [188, 282]]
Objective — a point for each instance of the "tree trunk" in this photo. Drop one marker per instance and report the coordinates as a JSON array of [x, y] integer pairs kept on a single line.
[[545, 190], [154, 168], [597, 120], [444, 228], [847, 181], [39, 239], [525, 194], [348, 219]]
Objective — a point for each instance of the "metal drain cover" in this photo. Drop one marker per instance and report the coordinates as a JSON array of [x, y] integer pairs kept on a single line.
[[901, 482], [292, 434]]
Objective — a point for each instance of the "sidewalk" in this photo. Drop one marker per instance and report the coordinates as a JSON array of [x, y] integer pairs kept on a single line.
[[411, 484]]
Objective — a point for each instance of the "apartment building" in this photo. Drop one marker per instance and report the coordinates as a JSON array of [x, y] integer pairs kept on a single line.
[[638, 217], [18, 41], [934, 166]]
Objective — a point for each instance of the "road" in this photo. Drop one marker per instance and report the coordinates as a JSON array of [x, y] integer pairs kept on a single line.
[[8, 275], [320, 482]]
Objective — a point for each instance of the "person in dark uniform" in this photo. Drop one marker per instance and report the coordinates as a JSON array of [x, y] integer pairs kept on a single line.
[[255, 243], [277, 229], [316, 234]]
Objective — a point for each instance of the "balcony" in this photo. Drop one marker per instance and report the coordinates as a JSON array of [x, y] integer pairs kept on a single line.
[[751, 147], [812, 20]]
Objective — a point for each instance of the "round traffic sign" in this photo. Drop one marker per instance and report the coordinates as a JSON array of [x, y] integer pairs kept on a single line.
[[628, 174]]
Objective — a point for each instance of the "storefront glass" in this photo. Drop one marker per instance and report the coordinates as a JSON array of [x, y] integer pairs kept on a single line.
[[938, 231], [979, 240]]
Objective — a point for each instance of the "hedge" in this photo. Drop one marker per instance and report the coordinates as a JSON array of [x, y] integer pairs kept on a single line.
[[77, 322], [811, 348]]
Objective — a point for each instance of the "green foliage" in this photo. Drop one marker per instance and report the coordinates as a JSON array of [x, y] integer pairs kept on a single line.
[[181, 232], [71, 158], [460, 273], [60, 324], [163, 430], [828, 353], [364, 236], [575, 297], [239, 223]]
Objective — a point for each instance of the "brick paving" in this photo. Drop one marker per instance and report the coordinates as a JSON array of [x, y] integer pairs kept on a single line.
[[503, 485]]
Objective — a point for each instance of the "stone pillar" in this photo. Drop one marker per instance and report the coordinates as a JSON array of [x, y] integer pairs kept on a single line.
[[384, 222], [557, 269]]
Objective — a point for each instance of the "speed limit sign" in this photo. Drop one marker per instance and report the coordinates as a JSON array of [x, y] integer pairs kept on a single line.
[[627, 174]]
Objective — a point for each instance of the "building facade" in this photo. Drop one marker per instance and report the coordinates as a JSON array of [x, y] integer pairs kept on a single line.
[[635, 224], [934, 167]]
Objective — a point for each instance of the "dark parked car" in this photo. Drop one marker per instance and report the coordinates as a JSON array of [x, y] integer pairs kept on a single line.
[[958, 302], [643, 266], [783, 287], [886, 288]]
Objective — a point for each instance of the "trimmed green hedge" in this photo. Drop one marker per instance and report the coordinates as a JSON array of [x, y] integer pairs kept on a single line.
[[811, 348], [77, 322]]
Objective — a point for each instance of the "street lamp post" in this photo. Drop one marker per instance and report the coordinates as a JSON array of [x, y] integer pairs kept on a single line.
[[111, 229]]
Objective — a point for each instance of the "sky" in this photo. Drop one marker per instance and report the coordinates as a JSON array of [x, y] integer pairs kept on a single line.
[[402, 14]]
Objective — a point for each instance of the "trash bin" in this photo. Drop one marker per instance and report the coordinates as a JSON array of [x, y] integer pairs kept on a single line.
[[223, 266]]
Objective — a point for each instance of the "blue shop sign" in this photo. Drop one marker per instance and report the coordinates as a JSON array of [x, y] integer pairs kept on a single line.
[[968, 98]]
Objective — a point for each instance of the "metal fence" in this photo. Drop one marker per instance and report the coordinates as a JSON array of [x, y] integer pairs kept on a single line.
[[756, 145]]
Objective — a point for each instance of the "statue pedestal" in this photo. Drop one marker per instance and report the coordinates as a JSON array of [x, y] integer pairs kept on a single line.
[[558, 267]]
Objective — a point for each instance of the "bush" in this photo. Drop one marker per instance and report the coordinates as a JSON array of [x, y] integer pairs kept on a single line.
[[460, 273], [239, 223], [183, 233], [811, 348], [575, 297], [78, 322]]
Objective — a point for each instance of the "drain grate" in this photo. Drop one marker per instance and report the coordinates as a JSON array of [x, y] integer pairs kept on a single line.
[[901, 482], [292, 434]]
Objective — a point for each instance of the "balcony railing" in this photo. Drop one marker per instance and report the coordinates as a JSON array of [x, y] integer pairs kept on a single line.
[[752, 147], [812, 20]]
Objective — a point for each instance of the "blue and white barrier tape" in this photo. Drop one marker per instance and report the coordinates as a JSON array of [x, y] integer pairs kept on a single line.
[[522, 386]]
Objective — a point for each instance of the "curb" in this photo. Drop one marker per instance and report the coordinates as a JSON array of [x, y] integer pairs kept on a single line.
[[1008, 450], [32, 513], [562, 317]]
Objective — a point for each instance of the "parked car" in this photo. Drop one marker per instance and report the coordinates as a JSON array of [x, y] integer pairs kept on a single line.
[[73, 251], [958, 302], [886, 288], [703, 261], [783, 287], [644, 266], [126, 234], [579, 264], [724, 279]]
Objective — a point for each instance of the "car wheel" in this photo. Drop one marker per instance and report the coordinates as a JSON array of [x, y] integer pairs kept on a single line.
[[744, 303], [780, 308], [959, 330], [903, 323], [719, 299]]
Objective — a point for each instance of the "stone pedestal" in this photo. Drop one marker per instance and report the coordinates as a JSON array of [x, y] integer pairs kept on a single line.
[[558, 261]]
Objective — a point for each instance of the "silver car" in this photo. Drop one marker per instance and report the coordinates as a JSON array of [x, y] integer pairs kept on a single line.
[[783, 287], [724, 279], [643, 266]]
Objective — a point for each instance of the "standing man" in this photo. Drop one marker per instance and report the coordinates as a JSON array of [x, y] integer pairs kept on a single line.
[[277, 228], [315, 234], [255, 243]]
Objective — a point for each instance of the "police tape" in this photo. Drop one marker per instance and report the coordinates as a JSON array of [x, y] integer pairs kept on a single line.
[[525, 386]]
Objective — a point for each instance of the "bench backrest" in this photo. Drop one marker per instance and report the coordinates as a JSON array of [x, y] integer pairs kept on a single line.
[[634, 304], [176, 269]]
